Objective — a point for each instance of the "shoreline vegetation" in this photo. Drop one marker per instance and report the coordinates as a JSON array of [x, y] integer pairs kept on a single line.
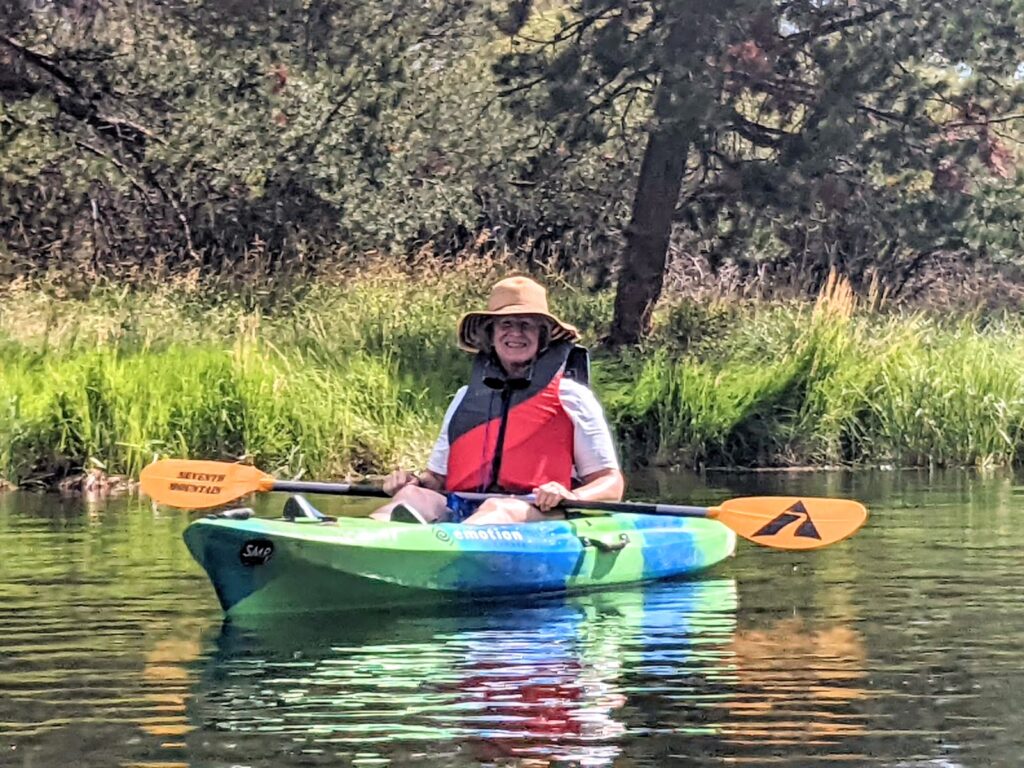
[[350, 377]]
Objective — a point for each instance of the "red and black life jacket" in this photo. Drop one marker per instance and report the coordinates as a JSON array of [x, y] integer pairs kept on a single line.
[[513, 434]]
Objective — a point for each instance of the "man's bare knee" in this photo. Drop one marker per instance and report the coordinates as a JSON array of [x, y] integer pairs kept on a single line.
[[500, 512], [430, 504]]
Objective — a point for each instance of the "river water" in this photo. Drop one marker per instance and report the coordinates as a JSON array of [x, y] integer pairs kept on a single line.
[[903, 646]]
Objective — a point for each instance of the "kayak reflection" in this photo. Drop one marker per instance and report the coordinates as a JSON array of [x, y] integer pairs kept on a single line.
[[527, 682]]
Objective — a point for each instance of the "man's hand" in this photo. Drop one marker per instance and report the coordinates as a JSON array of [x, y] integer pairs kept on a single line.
[[550, 495], [398, 480]]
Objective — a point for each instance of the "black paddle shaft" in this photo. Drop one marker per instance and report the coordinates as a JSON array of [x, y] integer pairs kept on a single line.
[[332, 489], [348, 489]]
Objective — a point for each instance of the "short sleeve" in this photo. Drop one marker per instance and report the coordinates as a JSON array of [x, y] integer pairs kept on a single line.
[[438, 461], [593, 446]]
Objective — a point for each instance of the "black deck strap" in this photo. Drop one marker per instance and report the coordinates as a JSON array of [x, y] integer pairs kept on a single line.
[[239, 513]]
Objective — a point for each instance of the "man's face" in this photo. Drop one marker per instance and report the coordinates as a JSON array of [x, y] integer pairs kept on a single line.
[[516, 339]]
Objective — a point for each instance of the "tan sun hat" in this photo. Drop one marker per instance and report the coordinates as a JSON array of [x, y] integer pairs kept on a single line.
[[517, 295]]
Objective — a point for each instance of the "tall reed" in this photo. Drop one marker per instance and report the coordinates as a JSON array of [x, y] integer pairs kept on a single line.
[[352, 376], [348, 377], [790, 384]]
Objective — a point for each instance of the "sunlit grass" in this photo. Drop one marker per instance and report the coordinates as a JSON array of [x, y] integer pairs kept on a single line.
[[352, 376], [348, 377], [788, 384], [120, 411]]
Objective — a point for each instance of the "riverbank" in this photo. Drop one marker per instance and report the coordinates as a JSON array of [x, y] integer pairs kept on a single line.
[[351, 377]]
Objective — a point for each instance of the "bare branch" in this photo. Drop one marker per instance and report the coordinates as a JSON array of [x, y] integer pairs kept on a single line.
[[798, 39], [151, 178], [986, 121]]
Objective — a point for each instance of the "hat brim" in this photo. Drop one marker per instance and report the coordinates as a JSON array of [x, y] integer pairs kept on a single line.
[[474, 337]]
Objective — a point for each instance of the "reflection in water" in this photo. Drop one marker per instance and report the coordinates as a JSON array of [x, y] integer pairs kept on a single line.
[[795, 683], [535, 684], [166, 675], [899, 647], [94, 636]]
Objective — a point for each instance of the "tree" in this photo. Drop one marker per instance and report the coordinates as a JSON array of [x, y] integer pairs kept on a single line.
[[238, 139], [219, 136], [796, 136]]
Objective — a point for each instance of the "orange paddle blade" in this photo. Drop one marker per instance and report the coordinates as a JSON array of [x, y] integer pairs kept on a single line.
[[791, 522], [192, 484]]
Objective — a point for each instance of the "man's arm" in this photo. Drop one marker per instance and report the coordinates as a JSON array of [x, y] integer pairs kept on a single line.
[[602, 485]]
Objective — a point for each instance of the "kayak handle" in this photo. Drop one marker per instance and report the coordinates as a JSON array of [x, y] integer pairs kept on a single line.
[[606, 546]]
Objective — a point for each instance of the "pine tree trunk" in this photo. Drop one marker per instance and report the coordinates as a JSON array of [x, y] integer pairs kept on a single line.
[[642, 272], [679, 106]]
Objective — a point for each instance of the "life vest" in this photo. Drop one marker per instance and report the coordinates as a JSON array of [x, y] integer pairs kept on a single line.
[[511, 434]]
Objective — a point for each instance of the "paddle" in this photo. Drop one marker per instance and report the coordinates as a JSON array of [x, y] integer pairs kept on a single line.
[[781, 522]]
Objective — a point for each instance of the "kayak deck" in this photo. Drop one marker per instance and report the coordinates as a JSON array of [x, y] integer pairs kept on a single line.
[[260, 565]]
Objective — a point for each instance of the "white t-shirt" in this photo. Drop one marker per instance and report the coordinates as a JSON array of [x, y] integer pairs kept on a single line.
[[592, 445]]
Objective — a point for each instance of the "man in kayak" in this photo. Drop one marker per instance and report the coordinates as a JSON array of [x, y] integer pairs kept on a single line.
[[521, 426]]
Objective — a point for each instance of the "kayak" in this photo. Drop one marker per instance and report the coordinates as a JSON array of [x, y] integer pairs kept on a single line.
[[261, 565]]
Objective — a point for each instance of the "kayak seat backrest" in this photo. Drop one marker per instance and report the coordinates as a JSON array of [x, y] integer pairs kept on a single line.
[[297, 507], [577, 365]]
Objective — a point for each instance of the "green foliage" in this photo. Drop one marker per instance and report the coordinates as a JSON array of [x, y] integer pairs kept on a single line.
[[239, 140], [783, 388], [351, 377], [864, 136], [288, 415], [354, 376], [236, 141]]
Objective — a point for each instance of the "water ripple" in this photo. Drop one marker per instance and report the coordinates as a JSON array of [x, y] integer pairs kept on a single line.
[[900, 647]]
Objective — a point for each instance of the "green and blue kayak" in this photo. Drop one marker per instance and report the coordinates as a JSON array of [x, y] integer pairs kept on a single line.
[[260, 565]]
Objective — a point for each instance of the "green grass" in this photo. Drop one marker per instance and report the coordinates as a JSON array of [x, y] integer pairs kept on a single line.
[[781, 385], [352, 376], [120, 410]]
